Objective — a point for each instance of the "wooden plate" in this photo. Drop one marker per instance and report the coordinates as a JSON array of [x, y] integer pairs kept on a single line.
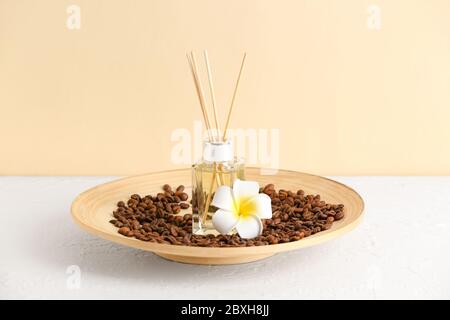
[[93, 209]]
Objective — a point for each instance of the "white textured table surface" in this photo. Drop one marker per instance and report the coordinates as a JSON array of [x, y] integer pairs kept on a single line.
[[401, 250]]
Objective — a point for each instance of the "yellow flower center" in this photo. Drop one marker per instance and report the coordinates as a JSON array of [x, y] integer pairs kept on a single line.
[[244, 207]]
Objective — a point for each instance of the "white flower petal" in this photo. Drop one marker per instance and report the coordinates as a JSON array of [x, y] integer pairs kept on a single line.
[[262, 206], [249, 227], [223, 198], [223, 221], [244, 190]]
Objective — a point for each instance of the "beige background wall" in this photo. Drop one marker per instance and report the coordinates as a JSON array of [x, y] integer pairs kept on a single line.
[[105, 99]]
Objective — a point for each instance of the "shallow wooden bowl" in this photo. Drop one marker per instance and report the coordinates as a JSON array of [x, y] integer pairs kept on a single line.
[[93, 209]]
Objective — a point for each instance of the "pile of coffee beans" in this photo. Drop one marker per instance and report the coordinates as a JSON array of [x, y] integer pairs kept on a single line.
[[158, 219]]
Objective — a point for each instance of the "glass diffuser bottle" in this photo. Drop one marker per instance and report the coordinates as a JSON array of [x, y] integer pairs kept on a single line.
[[217, 167]]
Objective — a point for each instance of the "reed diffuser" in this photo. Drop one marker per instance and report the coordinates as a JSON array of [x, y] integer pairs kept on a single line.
[[218, 166]]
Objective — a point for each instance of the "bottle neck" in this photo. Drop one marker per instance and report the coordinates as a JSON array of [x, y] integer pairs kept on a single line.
[[217, 151]]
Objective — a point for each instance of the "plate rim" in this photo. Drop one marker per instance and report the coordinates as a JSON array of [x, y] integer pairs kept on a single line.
[[214, 252]]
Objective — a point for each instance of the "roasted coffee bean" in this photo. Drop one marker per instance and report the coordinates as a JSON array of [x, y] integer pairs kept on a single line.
[[307, 232], [184, 205], [168, 208], [135, 224], [184, 196], [331, 213], [272, 239], [174, 231], [154, 219], [308, 223], [326, 226], [169, 197], [126, 232], [160, 196], [323, 216], [269, 189], [307, 215], [339, 215], [290, 201], [136, 197]]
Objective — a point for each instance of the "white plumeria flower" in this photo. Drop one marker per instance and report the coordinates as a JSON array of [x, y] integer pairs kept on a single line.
[[242, 208]]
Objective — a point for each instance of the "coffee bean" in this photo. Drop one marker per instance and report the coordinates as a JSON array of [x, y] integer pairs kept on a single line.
[[339, 216], [184, 205], [272, 239], [135, 197], [269, 189], [322, 216], [154, 219], [173, 231], [298, 225], [184, 196], [307, 215], [290, 201], [135, 224], [168, 197], [124, 230]]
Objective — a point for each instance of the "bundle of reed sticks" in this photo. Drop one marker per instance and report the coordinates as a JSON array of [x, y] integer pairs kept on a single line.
[[215, 135]]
